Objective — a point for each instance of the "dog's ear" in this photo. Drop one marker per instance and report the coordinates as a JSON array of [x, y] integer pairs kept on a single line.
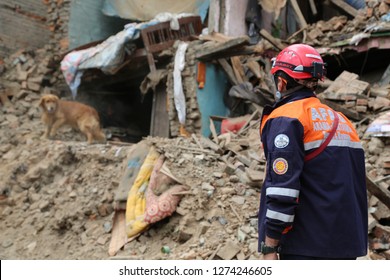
[[41, 101]]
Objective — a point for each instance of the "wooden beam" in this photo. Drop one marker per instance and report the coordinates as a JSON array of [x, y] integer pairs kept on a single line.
[[277, 44], [301, 18], [228, 70], [211, 144], [213, 131], [210, 52], [349, 113], [238, 69], [313, 7], [254, 115], [244, 50], [159, 124], [381, 193], [346, 7]]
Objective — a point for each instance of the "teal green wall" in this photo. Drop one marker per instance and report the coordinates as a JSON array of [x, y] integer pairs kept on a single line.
[[210, 98]]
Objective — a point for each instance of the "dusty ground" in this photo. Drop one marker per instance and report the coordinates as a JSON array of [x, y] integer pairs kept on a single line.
[[57, 198]]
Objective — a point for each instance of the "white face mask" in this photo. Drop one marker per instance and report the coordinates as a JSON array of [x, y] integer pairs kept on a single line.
[[277, 96]]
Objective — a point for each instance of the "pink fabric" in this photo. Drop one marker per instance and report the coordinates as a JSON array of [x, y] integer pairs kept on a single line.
[[162, 206]]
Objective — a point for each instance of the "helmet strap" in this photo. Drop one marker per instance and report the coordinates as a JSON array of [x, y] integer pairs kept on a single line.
[[310, 84], [289, 85], [280, 95]]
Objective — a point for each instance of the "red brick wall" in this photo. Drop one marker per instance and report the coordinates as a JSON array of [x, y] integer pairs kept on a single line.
[[23, 25]]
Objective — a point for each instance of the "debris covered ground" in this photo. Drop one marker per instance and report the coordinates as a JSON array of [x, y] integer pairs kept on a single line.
[[57, 197]]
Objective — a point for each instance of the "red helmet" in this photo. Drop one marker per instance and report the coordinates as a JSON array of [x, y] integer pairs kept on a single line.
[[299, 61]]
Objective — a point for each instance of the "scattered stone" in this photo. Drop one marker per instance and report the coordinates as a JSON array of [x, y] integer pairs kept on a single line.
[[229, 250], [7, 243], [240, 200]]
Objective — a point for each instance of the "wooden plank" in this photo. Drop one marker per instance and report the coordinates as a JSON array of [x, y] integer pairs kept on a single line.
[[209, 52], [266, 35], [212, 145], [238, 69], [213, 130], [159, 125], [215, 36], [254, 67], [197, 141], [218, 118], [118, 234], [381, 193], [345, 7], [349, 113], [151, 62], [242, 50], [165, 170], [301, 18], [313, 7], [228, 70], [254, 114]]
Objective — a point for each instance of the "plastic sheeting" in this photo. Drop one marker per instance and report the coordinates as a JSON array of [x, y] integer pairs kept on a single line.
[[380, 127], [108, 55], [178, 94], [141, 10]]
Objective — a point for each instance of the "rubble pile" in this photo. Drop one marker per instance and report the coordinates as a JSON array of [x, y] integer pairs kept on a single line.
[[339, 30], [57, 197]]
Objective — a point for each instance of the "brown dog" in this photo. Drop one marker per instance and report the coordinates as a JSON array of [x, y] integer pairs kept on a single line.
[[57, 113]]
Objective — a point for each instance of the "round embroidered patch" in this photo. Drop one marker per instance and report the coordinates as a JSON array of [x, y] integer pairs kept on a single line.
[[281, 141], [280, 166]]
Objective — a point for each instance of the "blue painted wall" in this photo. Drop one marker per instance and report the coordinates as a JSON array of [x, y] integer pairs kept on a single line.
[[87, 23], [210, 98]]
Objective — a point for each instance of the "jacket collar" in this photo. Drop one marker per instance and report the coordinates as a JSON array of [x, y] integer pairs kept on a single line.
[[298, 95]]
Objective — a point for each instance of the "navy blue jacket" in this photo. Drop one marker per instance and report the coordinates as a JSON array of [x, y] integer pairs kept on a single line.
[[315, 208]]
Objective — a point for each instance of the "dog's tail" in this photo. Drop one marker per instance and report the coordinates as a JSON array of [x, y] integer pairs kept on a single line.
[[95, 131], [99, 135]]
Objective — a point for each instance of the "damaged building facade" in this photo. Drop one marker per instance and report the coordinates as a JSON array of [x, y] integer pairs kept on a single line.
[[201, 70], [131, 80]]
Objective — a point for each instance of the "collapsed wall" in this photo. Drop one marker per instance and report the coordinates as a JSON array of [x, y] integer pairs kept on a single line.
[[193, 118]]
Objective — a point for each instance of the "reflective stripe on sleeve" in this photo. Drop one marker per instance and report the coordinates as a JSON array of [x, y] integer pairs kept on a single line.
[[282, 191], [279, 216], [333, 143]]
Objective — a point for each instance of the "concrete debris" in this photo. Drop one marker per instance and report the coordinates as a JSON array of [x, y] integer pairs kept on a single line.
[[59, 198]]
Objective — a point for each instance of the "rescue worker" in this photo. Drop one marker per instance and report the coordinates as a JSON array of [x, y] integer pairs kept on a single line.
[[313, 201]]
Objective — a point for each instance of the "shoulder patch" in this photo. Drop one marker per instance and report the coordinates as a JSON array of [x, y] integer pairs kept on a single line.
[[281, 141], [280, 166]]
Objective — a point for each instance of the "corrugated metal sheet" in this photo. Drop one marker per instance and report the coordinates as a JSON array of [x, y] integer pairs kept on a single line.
[[22, 25], [87, 23]]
